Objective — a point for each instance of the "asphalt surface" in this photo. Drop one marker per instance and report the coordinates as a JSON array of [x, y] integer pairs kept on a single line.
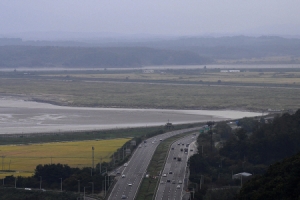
[[173, 181], [135, 171]]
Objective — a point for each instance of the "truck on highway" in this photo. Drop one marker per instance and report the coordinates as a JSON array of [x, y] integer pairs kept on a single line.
[[178, 158]]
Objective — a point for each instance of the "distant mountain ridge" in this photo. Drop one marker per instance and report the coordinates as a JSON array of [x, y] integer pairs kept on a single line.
[[114, 52], [48, 56]]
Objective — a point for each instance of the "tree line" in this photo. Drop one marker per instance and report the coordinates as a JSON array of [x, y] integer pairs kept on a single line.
[[252, 147]]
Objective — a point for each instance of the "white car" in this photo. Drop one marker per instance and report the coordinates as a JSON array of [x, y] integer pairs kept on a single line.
[[123, 175], [178, 187], [164, 175], [129, 184]]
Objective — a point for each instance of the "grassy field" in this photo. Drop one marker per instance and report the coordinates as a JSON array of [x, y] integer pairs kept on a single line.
[[194, 76], [153, 95], [22, 159]]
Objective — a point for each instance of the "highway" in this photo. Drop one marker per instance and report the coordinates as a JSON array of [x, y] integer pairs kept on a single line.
[[173, 179], [127, 186]]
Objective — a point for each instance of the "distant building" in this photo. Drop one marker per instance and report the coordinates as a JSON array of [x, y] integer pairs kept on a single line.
[[241, 175], [230, 71], [224, 71], [148, 71]]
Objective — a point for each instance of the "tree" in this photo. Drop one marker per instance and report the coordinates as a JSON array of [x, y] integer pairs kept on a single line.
[[223, 129]]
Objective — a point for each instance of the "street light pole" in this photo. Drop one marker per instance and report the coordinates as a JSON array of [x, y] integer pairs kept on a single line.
[[40, 182], [61, 184], [93, 157], [78, 186], [105, 186], [92, 187], [15, 182], [83, 193], [100, 164]]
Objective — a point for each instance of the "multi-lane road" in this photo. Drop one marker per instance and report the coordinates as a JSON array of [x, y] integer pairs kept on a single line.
[[173, 178], [127, 186]]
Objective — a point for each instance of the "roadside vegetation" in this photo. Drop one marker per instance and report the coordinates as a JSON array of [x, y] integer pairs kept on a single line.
[[252, 147]]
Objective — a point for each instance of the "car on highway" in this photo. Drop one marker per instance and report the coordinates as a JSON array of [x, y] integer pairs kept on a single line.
[[164, 175], [168, 180], [162, 182], [173, 181], [170, 172], [129, 184], [123, 197], [180, 181], [123, 175], [178, 187]]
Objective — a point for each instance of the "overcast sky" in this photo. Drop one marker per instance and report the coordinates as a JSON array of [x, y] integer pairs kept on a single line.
[[153, 17]]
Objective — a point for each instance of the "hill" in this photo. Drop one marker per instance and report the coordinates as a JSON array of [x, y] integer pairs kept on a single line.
[[104, 57], [281, 181]]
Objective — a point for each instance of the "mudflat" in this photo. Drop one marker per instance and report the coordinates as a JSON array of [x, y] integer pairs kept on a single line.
[[19, 116]]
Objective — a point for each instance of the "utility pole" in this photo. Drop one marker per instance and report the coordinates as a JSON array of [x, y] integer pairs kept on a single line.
[[105, 186], [200, 181], [2, 161], [123, 153], [78, 186], [241, 180], [93, 158], [40, 182], [114, 159], [210, 124], [83, 193], [107, 182], [15, 182], [100, 164], [60, 184], [92, 187]]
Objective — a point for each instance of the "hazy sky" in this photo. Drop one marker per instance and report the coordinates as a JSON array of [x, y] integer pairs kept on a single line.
[[158, 17]]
